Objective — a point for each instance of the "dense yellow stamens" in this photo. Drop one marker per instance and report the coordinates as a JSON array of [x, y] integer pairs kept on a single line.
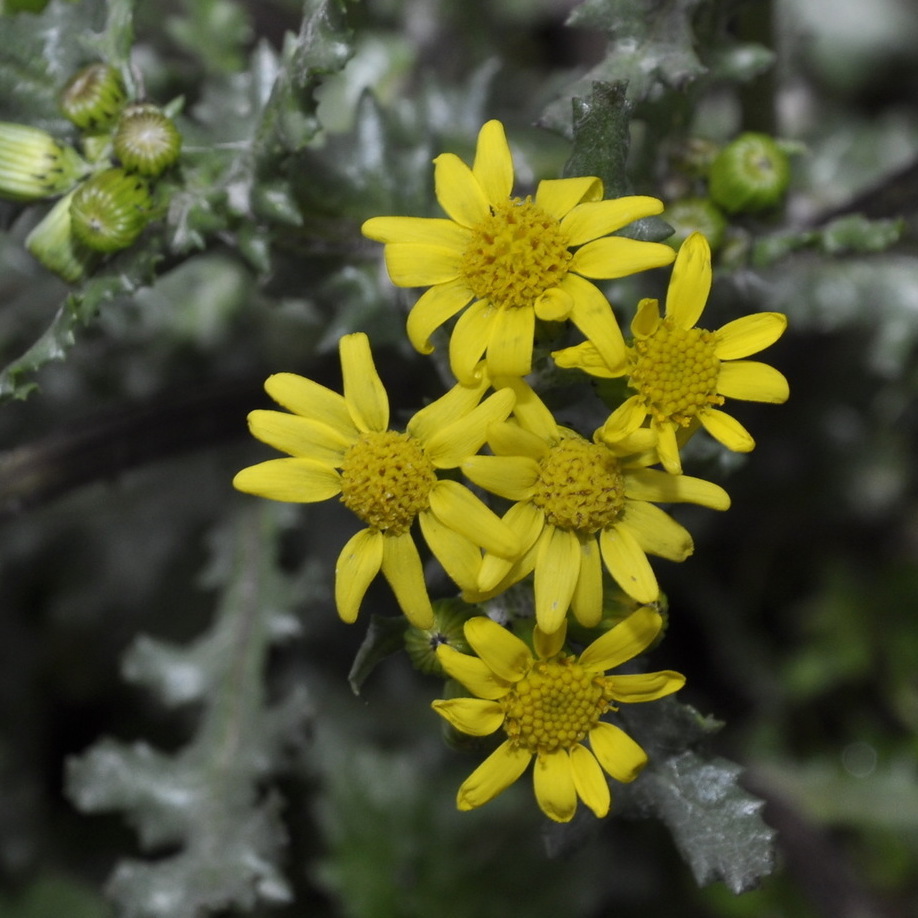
[[555, 706], [675, 370], [580, 486], [516, 254], [386, 480]]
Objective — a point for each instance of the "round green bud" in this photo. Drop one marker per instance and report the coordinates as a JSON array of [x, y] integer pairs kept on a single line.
[[695, 215], [110, 210], [146, 140], [750, 174], [33, 165], [450, 615], [93, 97]]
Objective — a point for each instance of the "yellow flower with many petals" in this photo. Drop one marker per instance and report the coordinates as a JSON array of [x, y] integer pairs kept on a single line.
[[681, 372], [512, 259], [548, 704], [342, 445], [580, 504]]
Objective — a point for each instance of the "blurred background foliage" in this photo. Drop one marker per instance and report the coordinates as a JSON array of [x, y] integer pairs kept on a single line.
[[177, 733]]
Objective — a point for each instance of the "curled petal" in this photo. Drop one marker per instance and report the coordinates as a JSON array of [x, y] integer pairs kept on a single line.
[[619, 755], [548, 645], [554, 305], [646, 318], [727, 430], [358, 563], [475, 716], [585, 357], [493, 776], [644, 686], [469, 341], [553, 781], [434, 307]]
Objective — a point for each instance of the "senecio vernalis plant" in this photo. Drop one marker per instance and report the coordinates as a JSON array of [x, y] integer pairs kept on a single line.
[[574, 516]]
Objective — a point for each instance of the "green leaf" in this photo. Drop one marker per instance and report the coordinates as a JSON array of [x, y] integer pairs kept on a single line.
[[385, 636]]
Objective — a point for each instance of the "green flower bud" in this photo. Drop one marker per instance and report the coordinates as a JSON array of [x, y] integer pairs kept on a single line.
[[750, 174], [33, 165], [110, 210], [422, 643], [52, 242], [146, 140], [695, 215], [93, 97]]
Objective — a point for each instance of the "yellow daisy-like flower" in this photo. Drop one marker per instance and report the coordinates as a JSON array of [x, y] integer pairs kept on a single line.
[[579, 505], [548, 704], [513, 259], [681, 372], [342, 446]]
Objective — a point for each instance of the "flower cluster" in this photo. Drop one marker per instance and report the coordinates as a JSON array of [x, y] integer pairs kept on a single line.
[[584, 516]]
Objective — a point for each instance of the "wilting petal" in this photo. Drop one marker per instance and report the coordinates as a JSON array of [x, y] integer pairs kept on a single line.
[[358, 563], [748, 335], [727, 430], [599, 218], [442, 233], [591, 784], [557, 197], [363, 389], [644, 686], [646, 318], [469, 340], [554, 305], [690, 283], [311, 400], [625, 641], [627, 563], [556, 573], [471, 672], [494, 775], [298, 481], [662, 488], [457, 507], [475, 716], [507, 476], [587, 599], [510, 344], [401, 566], [299, 436], [503, 651], [618, 754], [458, 191], [434, 307], [459, 557], [593, 315], [752, 381], [418, 264], [493, 166], [553, 781], [656, 531], [617, 256]]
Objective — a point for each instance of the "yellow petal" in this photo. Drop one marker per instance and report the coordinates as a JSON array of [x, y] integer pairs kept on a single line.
[[644, 686], [401, 566], [593, 315], [469, 340], [438, 232], [656, 531], [512, 440], [363, 389], [358, 563], [618, 256], [627, 563], [532, 413], [299, 436], [668, 447], [493, 776], [618, 754], [553, 781], [625, 641], [585, 357], [453, 443], [527, 521], [727, 430], [591, 784], [587, 599], [549, 645], [475, 716], [558, 197], [510, 342], [554, 305], [690, 283], [646, 318], [298, 481], [506, 655], [493, 166], [599, 218], [752, 381], [623, 422], [458, 191], [459, 557], [748, 335], [507, 476], [415, 264], [473, 673], [650, 484], [311, 400], [556, 573], [434, 307], [457, 507]]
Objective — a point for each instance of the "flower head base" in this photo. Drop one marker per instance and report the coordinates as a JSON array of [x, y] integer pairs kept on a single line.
[[341, 446], [548, 705], [146, 139], [682, 373], [93, 97], [33, 165], [512, 260]]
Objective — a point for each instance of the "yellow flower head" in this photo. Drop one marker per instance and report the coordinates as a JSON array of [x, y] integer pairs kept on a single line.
[[547, 704], [342, 446], [681, 372], [513, 259], [579, 505]]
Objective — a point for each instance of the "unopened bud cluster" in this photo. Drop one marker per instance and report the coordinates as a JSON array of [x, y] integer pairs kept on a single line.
[[105, 191]]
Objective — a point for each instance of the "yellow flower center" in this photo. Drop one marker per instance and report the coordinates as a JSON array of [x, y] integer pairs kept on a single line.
[[580, 486], [555, 706], [675, 371], [386, 479], [516, 254]]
